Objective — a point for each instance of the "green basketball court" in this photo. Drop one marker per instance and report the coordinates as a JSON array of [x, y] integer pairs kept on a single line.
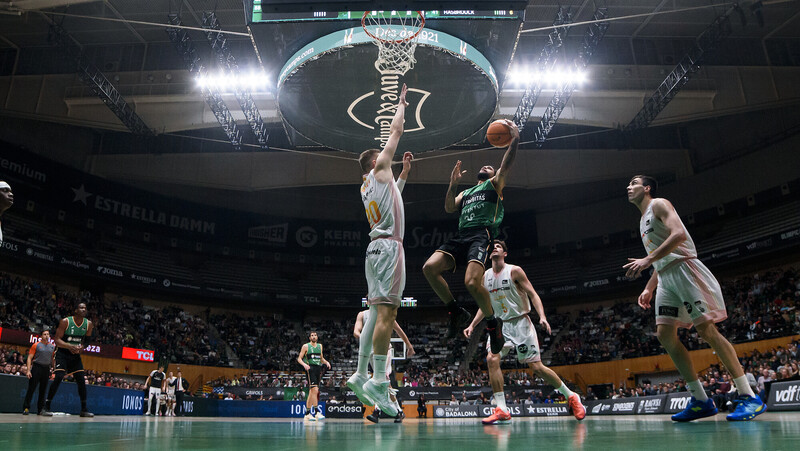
[[771, 431]]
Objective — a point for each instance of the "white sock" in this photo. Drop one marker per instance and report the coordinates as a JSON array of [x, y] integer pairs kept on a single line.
[[365, 342], [380, 362], [742, 387], [696, 389], [564, 390], [500, 400]]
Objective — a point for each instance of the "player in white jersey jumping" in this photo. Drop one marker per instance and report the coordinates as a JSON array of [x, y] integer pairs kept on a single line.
[[385, 265], [512, 295], [362, 319], [686, 294]]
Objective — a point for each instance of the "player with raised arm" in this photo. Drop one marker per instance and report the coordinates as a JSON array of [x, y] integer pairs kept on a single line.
[[512, 295], [481, 212], [361, 319], [687, 294], [69, 343], [384, 266], [311, 359]]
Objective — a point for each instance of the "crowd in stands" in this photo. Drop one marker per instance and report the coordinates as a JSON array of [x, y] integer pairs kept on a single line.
[[760, 306], [173, 333]]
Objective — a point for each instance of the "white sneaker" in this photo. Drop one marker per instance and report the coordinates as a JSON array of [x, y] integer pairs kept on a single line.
[[309, 417], [379, 393], [356, 383], [320, 416]]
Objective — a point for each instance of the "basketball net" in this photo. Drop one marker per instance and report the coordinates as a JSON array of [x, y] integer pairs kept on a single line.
[[396, 36]]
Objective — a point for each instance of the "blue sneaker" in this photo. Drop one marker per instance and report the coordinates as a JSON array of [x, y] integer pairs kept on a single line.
[[747, 408], [696, 410]]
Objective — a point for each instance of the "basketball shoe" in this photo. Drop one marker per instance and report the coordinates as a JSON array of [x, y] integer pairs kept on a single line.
[[378, 393], [696, 410], [356, 383], [747, 408], [309, 417], [319, 415], [577, 408], [499, 416], [457, 321]]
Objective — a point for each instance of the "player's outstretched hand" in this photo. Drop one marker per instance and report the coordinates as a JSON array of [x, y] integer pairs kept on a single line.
[[407, 158], [455, 176], [635, 266], [403, 92], [468, 332], [543, 322], [645, 298], [512, 128], [410, 352], [328, 364]]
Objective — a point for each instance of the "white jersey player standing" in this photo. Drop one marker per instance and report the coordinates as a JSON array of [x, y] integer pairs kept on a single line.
[[512, 294], [385, 265], [362, 319], [687, 294]]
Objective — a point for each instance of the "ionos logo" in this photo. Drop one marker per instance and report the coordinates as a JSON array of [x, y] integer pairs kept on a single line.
[[132, 402], [188, 406], [380, 119]]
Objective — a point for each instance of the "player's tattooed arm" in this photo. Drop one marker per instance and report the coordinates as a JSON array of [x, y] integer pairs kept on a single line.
[[451, 200]]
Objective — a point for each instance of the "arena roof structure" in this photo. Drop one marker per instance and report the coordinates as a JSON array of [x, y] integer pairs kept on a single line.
[[742, 93]]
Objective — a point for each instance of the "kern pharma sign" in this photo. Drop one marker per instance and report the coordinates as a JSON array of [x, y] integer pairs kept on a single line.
[[330, 92]]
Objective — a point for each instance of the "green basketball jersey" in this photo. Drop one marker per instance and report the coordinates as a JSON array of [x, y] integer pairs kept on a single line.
[[314, 354], [481, 206], [75, 333]]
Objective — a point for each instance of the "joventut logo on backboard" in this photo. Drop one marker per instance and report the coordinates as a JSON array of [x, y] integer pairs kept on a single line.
[[374, 110]]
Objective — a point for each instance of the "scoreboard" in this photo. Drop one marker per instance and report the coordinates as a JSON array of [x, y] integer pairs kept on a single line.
[[262, 16]]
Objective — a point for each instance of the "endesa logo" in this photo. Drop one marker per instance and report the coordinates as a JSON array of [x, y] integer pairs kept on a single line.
[[138, 354]]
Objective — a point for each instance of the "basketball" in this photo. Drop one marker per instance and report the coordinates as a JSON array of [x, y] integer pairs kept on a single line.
[[498, 134]]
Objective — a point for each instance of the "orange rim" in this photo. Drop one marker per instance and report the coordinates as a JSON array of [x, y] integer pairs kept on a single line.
[[393, 41]]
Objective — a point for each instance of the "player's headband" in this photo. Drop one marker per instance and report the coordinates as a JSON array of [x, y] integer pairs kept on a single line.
[[4, 185]]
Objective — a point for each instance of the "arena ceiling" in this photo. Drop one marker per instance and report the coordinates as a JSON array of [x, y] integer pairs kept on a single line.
[[744, 82]]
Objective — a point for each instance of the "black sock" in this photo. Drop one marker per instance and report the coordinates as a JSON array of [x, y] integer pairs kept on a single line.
[[491, 322], [81, 383]]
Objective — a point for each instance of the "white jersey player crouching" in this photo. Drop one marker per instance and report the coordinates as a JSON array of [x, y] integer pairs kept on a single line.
[[512, 294]]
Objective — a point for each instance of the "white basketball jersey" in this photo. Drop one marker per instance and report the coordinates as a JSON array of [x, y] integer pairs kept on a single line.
[[384, 207], [170, 388], [654, 233], [507, 301]]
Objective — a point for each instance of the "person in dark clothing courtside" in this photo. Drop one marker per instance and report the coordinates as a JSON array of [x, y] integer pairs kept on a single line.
[[40, 364]]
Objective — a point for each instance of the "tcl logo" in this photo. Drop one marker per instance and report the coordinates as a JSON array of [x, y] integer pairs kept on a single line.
[[138, 354]]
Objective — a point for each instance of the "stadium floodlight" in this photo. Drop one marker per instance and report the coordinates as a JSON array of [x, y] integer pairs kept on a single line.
[[547, 79], [253, 81]]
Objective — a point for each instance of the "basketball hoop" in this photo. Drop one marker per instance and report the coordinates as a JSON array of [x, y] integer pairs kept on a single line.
[[396, 34]]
